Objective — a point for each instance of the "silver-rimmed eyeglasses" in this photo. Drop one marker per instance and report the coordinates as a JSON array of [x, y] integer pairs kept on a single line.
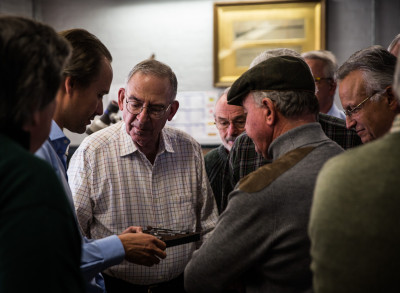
[[357, 108], [154, 111]]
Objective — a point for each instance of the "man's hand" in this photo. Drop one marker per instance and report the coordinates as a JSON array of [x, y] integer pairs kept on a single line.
[[133, 229], [140, 248]]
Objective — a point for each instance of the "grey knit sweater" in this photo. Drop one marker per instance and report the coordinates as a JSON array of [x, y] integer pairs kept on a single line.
[[261, 238]]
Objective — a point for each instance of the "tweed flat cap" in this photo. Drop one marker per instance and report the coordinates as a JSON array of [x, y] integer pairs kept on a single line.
[[282, 73]]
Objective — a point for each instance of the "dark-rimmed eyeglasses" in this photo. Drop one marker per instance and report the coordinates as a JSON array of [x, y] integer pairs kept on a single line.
[[224, 124], [357, 108], [154, 111]]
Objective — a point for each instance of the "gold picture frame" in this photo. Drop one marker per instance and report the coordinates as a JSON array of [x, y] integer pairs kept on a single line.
[[244, 29]]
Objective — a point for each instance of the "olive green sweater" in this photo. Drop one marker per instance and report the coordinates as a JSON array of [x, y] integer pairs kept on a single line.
[[355, 220]]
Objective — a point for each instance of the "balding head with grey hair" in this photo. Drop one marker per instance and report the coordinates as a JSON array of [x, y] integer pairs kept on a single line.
[[376, 64], [328, 59], [158, 69], [273, 53], [394, 47], [396, 81], [229, 120], [290, 103], [323, 66], [365, 89]]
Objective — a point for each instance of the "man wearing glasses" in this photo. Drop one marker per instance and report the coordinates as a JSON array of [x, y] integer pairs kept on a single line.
[[323, 66], [143, 172], [354, 222], [365, 90], [230, 121]]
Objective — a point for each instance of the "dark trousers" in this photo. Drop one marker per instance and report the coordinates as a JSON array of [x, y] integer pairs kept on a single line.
[[114, 285]]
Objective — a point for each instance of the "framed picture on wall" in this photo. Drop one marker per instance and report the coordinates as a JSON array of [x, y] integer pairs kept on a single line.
[[244, 29]]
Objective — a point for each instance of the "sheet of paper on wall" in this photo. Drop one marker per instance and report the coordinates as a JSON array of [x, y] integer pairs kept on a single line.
[[196, 116]]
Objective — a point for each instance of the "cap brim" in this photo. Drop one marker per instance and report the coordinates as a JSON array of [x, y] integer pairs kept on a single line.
[[237, 99]]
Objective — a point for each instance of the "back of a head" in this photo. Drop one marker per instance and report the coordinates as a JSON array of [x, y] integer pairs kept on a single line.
[[32, 56], [224, 93], [159, 69], [273, 53], [290, 103], [287, 80], [87, 54], [393, 43], [330, 63], [377, 65], [396, 82]]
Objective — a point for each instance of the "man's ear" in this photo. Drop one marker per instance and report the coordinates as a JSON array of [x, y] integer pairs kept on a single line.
[[173, 109], [33, 122], [35, 126], [392, 100], [121, 97], [69, 85], [269, 110], [332, 88]]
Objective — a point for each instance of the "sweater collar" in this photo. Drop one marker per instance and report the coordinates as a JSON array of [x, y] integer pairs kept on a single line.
[[304, 135]]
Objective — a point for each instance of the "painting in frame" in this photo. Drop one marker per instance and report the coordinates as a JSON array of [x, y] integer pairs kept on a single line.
[[243, 29]]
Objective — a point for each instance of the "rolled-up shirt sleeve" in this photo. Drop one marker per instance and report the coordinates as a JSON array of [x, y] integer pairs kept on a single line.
[[97, 255]]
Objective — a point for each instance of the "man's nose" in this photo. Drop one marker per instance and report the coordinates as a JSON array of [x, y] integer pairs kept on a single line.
[[350, 122], [143, 115], [99, 109], [232, 129]]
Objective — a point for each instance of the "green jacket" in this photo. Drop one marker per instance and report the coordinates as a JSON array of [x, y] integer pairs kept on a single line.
[[355, 220]]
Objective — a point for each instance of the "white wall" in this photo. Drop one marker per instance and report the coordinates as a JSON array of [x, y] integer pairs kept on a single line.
[[17, 7], [180, 33]]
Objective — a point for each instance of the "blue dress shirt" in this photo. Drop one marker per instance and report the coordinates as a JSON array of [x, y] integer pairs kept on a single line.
[[97, 255], [334, 111]]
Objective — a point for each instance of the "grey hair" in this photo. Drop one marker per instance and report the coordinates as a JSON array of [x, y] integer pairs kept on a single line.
[[290, 103], [225, 92], [159, 69], [273, 53], [377, 66], [393, 43], [330, 63], [396, 82]]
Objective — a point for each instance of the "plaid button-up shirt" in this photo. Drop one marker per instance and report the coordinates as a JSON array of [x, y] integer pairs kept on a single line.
[[115, 186]]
